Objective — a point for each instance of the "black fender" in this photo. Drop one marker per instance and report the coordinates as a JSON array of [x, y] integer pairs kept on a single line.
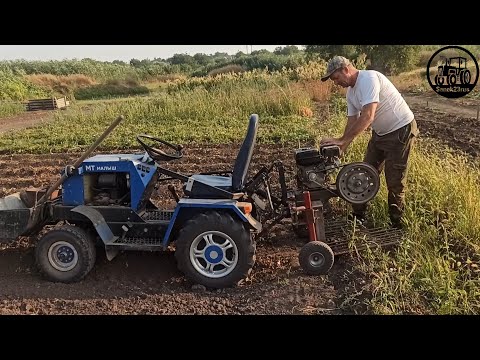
[[101, 226], [200, 205]]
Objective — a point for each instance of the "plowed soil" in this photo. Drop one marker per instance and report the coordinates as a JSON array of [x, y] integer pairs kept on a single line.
[[451, 121]]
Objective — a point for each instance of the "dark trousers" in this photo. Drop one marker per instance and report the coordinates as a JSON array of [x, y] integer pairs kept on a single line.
[[391, 152]]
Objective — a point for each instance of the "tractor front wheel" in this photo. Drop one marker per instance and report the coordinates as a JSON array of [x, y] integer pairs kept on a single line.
[[215, 250], [65, 254], [439, 80]]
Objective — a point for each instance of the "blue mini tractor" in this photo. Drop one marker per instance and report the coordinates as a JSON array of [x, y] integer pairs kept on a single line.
[[106, 199]]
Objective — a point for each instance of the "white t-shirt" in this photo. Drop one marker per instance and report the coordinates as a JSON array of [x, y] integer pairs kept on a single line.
[[392, 111]]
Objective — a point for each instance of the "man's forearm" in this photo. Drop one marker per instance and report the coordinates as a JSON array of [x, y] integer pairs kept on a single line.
[[350, 122], [356, 127]]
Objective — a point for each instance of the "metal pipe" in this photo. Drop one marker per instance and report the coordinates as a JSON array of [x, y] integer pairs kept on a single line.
[[80, 160]]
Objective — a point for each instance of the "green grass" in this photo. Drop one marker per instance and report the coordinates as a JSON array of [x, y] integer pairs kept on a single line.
[[436, 269], [107, 91], [11, 108], [197, 116]]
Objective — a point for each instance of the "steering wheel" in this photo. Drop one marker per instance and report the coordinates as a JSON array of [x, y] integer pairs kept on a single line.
[[157, 154]]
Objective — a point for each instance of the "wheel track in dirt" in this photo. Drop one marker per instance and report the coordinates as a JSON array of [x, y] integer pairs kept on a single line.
[[459, 133], [25, 120]]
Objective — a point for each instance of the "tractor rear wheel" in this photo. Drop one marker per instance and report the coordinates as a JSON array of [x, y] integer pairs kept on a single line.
[[452, 79], [215, 250], [65, 254]]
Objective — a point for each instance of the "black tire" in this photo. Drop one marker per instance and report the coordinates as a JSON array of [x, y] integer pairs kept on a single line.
[[465, 77], [316, 258], [65, 254], [439, 80], [223, 230], [452, 79]]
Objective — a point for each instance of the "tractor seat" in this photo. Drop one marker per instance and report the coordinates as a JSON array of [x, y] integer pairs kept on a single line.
[[236, 182], [222, 182]]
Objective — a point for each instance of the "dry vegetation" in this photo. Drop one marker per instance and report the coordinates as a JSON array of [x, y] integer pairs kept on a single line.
[[226, 70], [62, 84]]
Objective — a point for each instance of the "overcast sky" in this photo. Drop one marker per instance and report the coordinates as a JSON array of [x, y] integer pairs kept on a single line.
[[117, 52]]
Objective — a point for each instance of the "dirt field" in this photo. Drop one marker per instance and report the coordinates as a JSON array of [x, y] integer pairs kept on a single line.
[[24, 120], [149, 283], [452, 122]]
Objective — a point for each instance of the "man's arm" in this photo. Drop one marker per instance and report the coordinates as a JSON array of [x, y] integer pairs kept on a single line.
[[351, 120], [357, 125], [348, 128]]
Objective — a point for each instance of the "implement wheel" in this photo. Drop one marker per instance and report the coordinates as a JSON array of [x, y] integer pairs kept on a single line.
[[316, 258]]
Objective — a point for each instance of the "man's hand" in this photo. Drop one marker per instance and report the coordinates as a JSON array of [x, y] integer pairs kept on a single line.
[[335, 141]]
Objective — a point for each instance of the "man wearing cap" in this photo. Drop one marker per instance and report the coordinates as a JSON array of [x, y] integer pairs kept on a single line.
[[373, 101]]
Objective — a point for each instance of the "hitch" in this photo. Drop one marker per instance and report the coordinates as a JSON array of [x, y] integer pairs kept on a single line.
[[268, 207], [314, 218], [316, 257]]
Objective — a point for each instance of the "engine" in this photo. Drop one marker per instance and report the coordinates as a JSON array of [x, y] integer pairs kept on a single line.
[[314, 166], [320, 176], [110, 188]]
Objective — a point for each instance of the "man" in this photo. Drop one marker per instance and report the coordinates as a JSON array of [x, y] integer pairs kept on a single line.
[[373, 101]]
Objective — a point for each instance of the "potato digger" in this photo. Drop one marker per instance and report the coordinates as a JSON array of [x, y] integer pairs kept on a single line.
[[105, 201]]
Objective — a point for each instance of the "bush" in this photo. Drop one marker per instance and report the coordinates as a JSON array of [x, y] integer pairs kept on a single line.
[[64, 85], [227, 69], [110, 89], [15, 87], [11, 108]]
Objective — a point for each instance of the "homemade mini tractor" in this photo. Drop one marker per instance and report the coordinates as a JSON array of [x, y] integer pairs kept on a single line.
[[106, 200]]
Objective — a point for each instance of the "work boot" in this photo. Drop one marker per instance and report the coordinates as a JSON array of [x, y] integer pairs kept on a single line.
[[395, 214], [396, 223]]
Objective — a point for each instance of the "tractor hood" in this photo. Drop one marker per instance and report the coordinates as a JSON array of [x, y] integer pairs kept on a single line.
[[114, 158]]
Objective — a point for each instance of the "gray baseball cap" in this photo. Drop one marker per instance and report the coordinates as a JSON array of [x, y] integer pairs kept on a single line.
[[335, 63]]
